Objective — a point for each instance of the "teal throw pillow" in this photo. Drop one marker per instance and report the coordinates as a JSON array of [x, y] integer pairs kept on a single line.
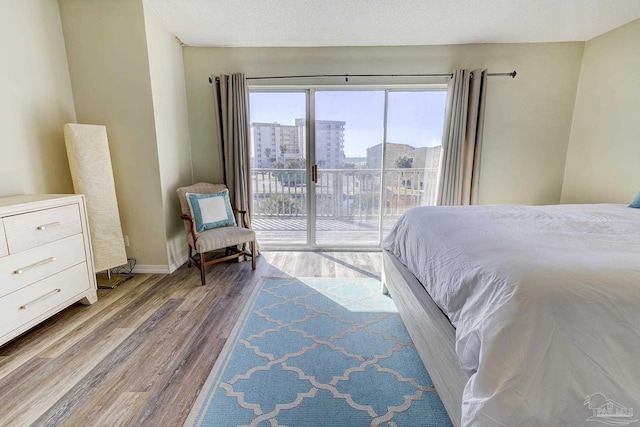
[[636, 202], [211, 210]]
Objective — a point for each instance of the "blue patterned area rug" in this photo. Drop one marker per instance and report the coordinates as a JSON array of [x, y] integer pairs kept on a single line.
[[319, 352]]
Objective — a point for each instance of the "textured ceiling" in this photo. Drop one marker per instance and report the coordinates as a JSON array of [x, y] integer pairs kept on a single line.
[[389, 22]]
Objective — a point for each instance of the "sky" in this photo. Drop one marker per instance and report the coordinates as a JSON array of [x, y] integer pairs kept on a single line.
[[415, 118]]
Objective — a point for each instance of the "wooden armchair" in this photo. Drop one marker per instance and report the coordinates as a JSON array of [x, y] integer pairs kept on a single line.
[[228, 238]]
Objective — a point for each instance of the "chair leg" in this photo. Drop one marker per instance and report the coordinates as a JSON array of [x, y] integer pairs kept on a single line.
[[253, 255], [202, 276], [189, 257]]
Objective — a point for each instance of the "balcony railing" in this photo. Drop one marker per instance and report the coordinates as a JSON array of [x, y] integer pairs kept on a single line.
[[342, 193]]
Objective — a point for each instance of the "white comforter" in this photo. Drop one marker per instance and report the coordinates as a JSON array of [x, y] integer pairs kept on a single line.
[[546, 305]]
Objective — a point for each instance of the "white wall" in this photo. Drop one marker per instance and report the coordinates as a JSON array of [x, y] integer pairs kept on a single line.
[[172, 126], [36, 99], [603, 162], [527, 124], [109, 68]]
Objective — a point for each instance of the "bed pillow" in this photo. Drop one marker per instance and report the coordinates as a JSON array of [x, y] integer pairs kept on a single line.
[[636, 202], [211, 210]]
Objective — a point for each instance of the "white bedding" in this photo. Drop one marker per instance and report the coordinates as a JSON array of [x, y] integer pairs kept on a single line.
[[545, 301]]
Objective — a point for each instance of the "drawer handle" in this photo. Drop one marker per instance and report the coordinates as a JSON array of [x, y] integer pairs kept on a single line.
[[48, 294], [45, 226], [37, 264]]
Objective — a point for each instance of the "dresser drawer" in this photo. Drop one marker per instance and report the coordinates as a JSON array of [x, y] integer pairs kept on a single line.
[[26, 267], [28, 304], [37, 228], [4, 251]]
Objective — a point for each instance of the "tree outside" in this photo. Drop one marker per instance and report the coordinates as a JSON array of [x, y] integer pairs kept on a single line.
[[404, 162], [280, 204]]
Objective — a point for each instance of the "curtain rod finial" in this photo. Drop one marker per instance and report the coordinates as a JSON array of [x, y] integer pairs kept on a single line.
[[210, 81], [513, 75]]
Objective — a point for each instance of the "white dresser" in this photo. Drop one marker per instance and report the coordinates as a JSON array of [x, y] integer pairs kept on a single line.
[[45, 259]]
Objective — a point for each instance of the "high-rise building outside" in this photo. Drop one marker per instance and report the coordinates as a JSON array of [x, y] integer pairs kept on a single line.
[[330, 144], [274, 143]]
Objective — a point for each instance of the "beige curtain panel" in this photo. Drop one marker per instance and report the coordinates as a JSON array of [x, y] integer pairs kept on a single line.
[[462, 138], [231, 106]]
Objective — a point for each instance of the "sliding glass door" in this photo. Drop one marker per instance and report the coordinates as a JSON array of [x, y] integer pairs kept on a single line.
[[348, 125], [336, 168]]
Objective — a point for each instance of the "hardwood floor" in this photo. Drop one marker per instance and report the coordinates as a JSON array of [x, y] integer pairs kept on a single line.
[[140, 354]]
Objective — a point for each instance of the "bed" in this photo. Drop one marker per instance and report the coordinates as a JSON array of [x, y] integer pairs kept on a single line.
[[523, 315]]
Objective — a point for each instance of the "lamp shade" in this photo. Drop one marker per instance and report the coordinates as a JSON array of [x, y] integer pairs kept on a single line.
[[92, 175]]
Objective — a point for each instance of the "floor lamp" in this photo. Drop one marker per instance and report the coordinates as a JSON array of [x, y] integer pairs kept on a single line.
[[92, 175]]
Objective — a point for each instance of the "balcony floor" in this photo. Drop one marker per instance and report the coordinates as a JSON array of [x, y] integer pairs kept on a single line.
[[330, 232]]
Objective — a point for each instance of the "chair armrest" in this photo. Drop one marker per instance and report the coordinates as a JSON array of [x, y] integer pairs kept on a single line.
[[245, 223], [193, 226]]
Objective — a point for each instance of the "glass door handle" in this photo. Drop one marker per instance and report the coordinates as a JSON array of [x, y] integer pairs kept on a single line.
[[314, 173]]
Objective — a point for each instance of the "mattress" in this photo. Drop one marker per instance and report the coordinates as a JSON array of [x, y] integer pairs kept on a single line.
[[546, 305]]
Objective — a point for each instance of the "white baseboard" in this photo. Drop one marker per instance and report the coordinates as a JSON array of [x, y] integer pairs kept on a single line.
[[151, 269], [160, 269], [176, 265]]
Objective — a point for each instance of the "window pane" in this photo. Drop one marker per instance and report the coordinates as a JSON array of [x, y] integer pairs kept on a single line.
[[348, 125], [412, 157], [278, 169]]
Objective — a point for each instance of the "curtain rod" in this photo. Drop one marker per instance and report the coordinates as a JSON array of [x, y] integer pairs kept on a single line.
[[346, 76]]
